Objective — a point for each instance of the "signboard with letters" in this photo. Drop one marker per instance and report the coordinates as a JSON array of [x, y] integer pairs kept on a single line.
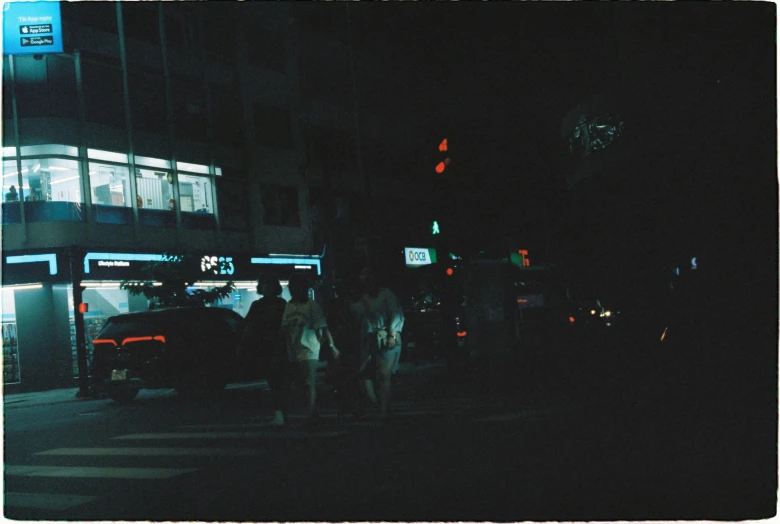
[[416, 256], [31, 28]]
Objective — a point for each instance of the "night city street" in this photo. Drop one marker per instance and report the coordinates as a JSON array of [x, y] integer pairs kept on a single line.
[[571, 443], [550, 229]]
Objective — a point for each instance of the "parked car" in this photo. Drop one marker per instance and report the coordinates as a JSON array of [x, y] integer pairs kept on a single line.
[[430, 334], [191, 349]]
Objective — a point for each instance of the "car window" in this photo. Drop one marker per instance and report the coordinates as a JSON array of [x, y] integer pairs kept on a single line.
[[233, 320]]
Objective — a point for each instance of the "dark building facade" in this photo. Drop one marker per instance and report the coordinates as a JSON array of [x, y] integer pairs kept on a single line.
[[232, 132]]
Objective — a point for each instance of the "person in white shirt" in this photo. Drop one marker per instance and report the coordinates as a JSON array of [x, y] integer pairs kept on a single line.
[[303, 329], [380, 319]]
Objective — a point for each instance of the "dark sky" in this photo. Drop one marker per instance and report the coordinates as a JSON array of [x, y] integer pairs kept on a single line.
[[695, 82], [525, 64]]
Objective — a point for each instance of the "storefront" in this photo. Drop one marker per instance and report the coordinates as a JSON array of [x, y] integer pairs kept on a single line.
[[38, 313]]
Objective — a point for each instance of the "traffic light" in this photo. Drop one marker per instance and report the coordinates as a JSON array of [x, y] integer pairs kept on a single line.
[[442, 165], [450, 271], [435, 228], [524, 254]]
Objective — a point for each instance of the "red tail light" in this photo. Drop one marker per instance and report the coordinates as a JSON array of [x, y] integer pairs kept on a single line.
[[159, 338], [104, 341]]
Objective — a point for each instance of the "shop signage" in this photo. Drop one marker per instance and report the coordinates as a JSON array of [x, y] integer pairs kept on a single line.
[[416, 256], [113, 263], [211, 264], [31, 28], [27, 268]]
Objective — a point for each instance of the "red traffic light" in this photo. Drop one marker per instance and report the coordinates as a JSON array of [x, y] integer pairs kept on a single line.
[[441, 166], [450, 271], [443, 145]]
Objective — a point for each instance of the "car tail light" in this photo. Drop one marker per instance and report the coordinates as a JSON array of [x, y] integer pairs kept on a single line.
[[159, 338], [104, 341]]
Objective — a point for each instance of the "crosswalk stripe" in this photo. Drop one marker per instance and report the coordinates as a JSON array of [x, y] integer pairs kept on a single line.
[[49, 501], [499, 418], [230, 435], [154, 452], [96, 472]]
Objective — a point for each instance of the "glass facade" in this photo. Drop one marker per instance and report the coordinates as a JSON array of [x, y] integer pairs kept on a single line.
[[52, 189]]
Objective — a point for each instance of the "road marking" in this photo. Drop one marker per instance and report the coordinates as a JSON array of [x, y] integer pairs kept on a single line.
[[50, 501], [275, 433], [93, 472], [260, 384], [499, 418], [153, 452]]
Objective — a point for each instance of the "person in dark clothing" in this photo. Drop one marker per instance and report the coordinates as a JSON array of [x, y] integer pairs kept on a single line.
[[12, 195], [263, 343], [343, 374]]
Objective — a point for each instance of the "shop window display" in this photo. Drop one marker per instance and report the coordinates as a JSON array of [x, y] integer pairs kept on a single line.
[[11, 371]]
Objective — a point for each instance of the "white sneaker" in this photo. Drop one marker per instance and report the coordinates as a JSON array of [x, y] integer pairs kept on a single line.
[[278, 419]]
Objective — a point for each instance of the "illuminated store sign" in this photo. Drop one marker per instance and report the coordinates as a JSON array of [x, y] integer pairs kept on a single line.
[[31, 28], [118, 259], [416, 256], [113, 263], [51, 258], [211, 264]]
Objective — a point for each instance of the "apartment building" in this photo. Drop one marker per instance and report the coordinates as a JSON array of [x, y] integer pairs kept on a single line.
[[234, 132]]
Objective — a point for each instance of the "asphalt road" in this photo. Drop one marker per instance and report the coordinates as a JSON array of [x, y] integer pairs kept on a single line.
[[550, 442]]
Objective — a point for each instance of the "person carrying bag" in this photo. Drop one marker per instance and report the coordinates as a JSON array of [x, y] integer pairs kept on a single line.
[[379, 319]]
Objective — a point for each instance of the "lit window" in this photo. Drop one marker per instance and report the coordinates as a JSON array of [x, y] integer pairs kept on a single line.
[[106, 155], [10, 178], [192, 168], [152, 162], [195, 194], [51, 180], [110, 184], [155, 189], [9, 151], [50, 149], [218, 171]]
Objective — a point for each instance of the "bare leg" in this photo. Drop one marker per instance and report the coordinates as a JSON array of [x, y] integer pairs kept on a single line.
[[369, 386], [384, 374]]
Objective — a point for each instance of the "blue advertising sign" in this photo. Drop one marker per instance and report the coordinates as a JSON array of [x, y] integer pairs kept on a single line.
[[31, 28]]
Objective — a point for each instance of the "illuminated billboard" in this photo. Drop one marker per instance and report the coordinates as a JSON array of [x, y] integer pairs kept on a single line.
[[31, 28]]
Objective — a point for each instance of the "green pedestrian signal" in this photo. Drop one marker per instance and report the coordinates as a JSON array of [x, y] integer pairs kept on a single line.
[[435, 229]]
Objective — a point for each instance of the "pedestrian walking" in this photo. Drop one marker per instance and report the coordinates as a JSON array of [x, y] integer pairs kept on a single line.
[[343, 373], [262, 343], [304, 328], [379, 320]]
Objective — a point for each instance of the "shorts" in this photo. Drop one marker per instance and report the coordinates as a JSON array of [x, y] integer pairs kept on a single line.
[[304, 372]]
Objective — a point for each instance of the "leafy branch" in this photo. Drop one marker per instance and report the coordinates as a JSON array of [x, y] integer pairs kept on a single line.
[[170, 282]]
